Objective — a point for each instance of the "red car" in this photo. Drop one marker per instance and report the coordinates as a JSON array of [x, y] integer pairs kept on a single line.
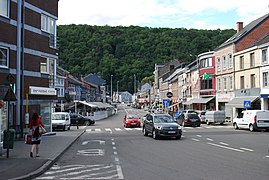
[[131, 120]]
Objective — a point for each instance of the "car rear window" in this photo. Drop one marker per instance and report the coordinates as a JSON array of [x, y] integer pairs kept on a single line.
[[193, 115], [203, 113]]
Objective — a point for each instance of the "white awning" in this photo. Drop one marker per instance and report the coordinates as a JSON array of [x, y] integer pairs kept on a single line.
[[264, 93], [202, 100], [238, 102], [86, 103]]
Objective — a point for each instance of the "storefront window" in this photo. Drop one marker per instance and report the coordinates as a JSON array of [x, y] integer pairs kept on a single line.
[[45, 111]]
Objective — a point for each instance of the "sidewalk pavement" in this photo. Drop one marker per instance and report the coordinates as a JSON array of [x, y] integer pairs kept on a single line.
[[19, 165]]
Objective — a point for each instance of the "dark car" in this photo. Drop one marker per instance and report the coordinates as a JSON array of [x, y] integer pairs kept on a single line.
[[77, 119], [189, 119], [161, 125]]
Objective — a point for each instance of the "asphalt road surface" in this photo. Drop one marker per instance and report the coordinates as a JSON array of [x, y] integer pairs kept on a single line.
[[107, 150]]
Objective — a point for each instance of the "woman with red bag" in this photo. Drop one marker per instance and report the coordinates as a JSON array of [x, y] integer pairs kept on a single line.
[[36, 136]]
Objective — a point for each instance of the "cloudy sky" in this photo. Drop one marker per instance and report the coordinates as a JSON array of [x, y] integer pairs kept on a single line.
[[197, 14]]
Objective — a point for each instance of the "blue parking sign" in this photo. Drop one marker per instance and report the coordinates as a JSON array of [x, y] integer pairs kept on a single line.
[[247, 104], [166, 102]]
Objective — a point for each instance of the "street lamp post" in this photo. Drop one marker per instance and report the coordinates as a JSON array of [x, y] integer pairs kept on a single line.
[[111, 77], [117, 91]]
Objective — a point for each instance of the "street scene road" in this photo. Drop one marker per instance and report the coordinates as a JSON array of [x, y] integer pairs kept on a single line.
[[107, 150]]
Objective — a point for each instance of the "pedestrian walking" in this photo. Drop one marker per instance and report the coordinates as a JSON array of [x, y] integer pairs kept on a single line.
[[35, 122]]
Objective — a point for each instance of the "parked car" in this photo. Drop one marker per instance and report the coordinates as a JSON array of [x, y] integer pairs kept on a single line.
[[189, 119], [252, 120], [77, 119], [131, 120], [201, 114], [161, 125], [60, 120]]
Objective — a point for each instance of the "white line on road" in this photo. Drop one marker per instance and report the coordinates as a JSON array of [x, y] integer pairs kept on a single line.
[[128, 129], [225, 147], [267, 156], [117, 159], [115, 152], [224, 143], [113, 143], [98, 130], [209, 139], [114, 147], [198, 135], [108, 129], [246, 149], [195, 139], [118, 129], [120, 174]]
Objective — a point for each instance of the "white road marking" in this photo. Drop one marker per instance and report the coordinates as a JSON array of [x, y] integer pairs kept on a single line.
[[114, 147], [267, 156], [91, 152], [246, 149], [98, 130], [225, 147], [195, 139], [108, 129], [120, 174], [209, 139], [198, 135], [117, 159], [118, 129], [113, 143], [115, 152], [128, 129], [224, 143], [138, 129], [88, 130], [101, 142], [71, 168]]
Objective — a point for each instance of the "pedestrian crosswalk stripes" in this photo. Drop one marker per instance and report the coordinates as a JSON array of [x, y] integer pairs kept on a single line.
[[118, 129]]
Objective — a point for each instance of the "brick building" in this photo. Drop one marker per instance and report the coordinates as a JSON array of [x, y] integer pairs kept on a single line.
[[28, 54]]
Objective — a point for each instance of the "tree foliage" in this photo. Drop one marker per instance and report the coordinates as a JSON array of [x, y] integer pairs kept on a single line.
[[125, 52]]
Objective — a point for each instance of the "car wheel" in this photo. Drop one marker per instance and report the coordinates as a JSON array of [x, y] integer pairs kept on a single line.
[[69, 127], [154, 135], [124, 125], [145, 133], [198, 125], [236, 126], [178, 137], [207, 122], [86, 123], [64, 128], [251, 127]]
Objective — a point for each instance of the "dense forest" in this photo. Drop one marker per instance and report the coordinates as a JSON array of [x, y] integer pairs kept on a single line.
[[128, 52]]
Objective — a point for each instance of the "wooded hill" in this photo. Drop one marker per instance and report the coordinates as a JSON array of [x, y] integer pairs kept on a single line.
[[125, 51]]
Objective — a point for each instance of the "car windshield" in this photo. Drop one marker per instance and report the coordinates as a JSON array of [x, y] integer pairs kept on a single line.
[[163, 119], [58, 116], [132, 116]]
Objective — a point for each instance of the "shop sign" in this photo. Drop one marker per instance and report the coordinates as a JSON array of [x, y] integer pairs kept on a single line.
[[42, 91]]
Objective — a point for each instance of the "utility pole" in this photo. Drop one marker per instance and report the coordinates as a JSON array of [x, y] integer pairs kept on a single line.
[[111, 78], [134, 83], [117, 91]]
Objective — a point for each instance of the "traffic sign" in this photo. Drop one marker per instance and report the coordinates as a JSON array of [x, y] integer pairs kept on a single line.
[[247, 104], [166, 102], [169, 94]]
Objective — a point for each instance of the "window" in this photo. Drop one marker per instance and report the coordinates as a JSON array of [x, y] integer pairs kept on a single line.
[[230, 61], [252, 80], [264, 56], [219, 84], [242, 82], [4, 8], [265, 79], [252, 59], [4, 57], [218, 63], [206, 84], [60, 92], [241, 62], [224, 62], [204, 63], [225, 83], [48, 67], [48, 25], [231, 82]]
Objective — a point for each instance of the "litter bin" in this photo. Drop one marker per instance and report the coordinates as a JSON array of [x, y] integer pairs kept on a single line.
[[8, 140]]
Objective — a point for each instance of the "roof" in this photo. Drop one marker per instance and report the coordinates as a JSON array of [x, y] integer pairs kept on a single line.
[[94, 79], [247, 29]]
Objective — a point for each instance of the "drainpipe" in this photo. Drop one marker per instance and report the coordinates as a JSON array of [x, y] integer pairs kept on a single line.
[[18, 69]]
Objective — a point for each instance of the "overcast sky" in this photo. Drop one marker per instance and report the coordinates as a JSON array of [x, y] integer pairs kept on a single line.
[[197, 14]]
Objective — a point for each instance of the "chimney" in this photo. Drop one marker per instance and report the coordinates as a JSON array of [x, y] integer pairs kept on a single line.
[[239, 26]]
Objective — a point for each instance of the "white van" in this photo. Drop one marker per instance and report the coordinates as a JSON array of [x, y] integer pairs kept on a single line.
[[60, 120], [252, 120]]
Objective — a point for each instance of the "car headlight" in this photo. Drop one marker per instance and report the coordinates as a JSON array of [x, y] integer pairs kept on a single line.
[[159, 127], [179, 127]]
